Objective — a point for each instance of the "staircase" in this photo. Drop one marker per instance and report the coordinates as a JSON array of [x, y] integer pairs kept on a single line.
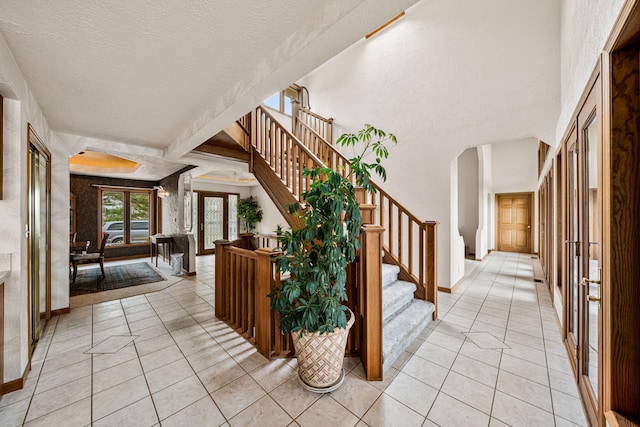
[[404, 317], [405, 295]]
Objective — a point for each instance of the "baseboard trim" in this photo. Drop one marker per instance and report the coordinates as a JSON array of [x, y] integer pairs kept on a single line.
[[191, 273], [18, 383], [451, 289], [60, 311]]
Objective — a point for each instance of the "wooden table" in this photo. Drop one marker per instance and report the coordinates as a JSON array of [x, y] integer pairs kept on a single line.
[[157, 240]]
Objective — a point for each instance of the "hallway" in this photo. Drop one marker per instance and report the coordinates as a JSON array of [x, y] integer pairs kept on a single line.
[[495, 358]]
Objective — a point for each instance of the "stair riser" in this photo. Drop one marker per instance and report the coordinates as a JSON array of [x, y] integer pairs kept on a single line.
[[405, 331]]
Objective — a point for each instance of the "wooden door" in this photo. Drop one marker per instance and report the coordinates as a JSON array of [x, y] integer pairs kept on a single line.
[[217, 219], [590, 191], [514, 232]]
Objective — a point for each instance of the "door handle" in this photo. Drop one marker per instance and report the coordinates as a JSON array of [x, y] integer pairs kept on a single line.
[[593, 298], [528, 226], [585, 280]]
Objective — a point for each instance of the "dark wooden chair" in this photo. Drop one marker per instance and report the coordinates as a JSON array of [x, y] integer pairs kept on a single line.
[[90, 258]]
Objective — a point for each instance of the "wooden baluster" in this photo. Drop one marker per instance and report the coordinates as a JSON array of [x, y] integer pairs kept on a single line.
[[251, 296], [295, 113], [233, 282], [220, 284], [400, 237], [410, 246], [371, 300], [295, 165], [264, 283], [432, 264], [390, 229], [245, 284], [421, 262]]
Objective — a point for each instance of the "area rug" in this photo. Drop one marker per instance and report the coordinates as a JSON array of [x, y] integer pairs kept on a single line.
[[116, 277]]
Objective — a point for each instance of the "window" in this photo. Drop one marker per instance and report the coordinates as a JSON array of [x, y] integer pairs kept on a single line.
[[125, 215], [281, 101]]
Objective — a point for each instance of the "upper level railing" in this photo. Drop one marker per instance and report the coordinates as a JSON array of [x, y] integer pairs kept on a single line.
[[282, 151], [322, 126]]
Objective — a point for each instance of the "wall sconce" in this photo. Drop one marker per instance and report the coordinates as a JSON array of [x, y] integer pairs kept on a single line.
[[162, 193]]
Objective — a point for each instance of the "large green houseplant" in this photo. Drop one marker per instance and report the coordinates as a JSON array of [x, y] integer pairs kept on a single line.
[[249, 212], [316, 255]]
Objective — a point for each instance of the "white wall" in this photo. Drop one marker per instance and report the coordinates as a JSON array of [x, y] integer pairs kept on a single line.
[[271, 217], [21, 108], [515, 166], [484, 235], [515, 170], [468, 197], [586, 25], [448, 75]]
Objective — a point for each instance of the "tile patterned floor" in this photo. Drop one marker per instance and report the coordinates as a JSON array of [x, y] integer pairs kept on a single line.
[[495, 358]]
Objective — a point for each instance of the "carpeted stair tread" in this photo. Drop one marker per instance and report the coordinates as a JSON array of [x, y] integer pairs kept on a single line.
[[395, 297], [402, 330], [389, 274]]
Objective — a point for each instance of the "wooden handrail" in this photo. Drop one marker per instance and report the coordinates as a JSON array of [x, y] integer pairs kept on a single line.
[[283, 153], [245, 123], [322, 126]]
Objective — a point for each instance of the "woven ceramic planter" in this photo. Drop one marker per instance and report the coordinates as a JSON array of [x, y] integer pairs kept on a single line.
[[320, 357]]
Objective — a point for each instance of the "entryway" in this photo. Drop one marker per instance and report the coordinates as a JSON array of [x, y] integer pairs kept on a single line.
[[515, 216]]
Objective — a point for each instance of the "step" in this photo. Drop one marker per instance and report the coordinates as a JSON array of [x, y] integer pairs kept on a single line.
[[402, 330], [389, 274], [395, 297]]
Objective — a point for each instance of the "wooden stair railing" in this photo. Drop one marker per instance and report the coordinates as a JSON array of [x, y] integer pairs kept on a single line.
[[408, 242], [322, 126], [277, 160]]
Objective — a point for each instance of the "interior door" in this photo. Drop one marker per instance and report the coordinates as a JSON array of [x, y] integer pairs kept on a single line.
[[573, 253], [217, 220], [212, 213], [514, 222], [589, 357], [39, 232], [583, 313]]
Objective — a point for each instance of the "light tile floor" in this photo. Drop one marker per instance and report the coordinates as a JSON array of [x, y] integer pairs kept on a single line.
[[494, 358]]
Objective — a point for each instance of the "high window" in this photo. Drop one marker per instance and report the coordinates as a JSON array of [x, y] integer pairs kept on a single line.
[[281, 101], [125, 215]]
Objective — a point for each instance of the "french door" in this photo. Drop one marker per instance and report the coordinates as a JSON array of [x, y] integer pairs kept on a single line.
[[217, 220], [39, 232], [584, 251]]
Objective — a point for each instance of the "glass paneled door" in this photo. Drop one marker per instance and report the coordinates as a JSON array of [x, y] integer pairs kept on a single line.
[[217, 220], [589, 139], [583, 312], [39, 233]]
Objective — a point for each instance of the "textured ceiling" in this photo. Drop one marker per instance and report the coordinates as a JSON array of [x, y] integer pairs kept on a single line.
[[155, 72]]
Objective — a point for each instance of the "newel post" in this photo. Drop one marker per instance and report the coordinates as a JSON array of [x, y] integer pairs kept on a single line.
[[264, 281], [431, 276], [221, 268], [295, 117], [371, 300]]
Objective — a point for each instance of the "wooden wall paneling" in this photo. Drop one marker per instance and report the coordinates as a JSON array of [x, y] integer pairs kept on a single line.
[[1, 339], [622, 339], [1, 152]]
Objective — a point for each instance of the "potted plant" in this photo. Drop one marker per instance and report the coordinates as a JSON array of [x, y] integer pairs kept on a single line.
[[315, 256], [250, 213]]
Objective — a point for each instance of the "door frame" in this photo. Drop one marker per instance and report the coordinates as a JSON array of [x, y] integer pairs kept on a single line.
[[531, 197], [34, 139], [225, 197], [620, 398], [590, 106]]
